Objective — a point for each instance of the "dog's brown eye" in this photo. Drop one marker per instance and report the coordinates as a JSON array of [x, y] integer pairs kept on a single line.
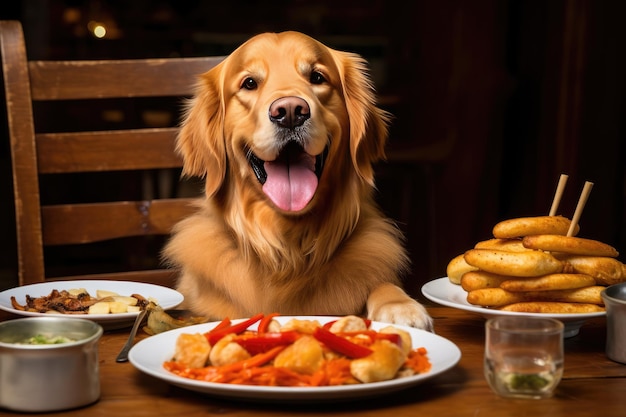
[[249, 84], [317, 78]]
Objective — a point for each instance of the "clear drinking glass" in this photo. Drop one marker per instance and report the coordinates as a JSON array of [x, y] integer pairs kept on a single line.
[[523, 355]]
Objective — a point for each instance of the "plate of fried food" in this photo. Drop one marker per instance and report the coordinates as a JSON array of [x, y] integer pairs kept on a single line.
[[531, 267], [295, 358], [113, 304]]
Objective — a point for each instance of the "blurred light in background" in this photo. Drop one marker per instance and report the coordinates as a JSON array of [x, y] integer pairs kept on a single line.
[[97, 29]]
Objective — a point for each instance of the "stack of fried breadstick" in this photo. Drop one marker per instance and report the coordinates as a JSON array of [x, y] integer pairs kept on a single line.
[[532, 265]]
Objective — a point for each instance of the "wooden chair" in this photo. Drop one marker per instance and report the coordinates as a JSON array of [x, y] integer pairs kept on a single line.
[[38, 154]]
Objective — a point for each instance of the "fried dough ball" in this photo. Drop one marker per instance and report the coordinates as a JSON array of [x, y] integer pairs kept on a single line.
[[381, 365], [304, 356], [348, 324], [192, 350], [226, 352]]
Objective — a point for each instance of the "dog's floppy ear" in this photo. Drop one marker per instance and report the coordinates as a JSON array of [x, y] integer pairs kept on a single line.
[[368, 123], [201, 138]]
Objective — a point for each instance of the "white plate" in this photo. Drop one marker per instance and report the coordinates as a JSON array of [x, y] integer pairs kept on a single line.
[[444, 292], [149, 354], [165, 297]]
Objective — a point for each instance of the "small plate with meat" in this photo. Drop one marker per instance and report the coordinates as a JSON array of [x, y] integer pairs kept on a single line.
[[60, 297]]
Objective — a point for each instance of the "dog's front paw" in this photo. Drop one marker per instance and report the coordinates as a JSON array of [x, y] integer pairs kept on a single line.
[[408, 313], [389, 303]]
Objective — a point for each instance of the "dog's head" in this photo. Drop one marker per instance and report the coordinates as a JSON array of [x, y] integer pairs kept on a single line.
[[288, 117]]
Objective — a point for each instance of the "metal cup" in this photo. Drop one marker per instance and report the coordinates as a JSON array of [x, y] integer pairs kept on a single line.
[[614, 298], [49, 377]]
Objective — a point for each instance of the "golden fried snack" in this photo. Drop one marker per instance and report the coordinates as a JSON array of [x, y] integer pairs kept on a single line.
[[517, 264], [586, 295], [381, 365], [539, 225], [457, 267], [474, 280], [569, 244], [511, 245], [494, 297], [605, 270], [551, 307], [548, 282], [497, 297], [192, 350]]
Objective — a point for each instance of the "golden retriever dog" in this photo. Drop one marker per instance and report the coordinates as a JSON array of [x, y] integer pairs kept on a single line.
[[285, 131]]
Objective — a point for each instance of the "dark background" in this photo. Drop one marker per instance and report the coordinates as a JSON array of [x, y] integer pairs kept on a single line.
[[493, 100]]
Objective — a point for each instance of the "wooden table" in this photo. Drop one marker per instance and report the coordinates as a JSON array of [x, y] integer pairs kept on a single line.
[[592, 385]]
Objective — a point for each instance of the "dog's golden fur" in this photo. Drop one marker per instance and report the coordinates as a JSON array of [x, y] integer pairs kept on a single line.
[[243, 252]]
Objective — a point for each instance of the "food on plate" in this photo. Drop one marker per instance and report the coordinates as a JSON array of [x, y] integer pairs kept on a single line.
[[457, 267], [531, 265], [297, 353], [475, 280], [538, 225], [493, 297], [79, 301], [569, 244], [517, 264], [548, 282], [548, 307], [160, 321], [606, 271], [381, 365], [498, 297], [510, 245]]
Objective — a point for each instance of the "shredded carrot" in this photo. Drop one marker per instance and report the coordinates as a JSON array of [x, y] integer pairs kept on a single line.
[[333, 372], [418, 361], [257, 360]]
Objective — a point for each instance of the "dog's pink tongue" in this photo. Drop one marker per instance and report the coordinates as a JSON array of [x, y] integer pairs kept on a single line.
[[291, 185]]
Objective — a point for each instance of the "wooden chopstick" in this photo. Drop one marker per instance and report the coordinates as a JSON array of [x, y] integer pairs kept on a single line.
[[579, 207], [558, 194]]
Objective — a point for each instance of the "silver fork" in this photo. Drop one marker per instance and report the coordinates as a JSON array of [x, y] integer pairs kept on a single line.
[[123, 355]]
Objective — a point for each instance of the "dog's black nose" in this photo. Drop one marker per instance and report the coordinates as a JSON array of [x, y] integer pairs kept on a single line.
[[289, 112]]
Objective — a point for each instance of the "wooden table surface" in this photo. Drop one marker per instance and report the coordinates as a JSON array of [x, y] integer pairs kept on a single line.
[[592, 385]]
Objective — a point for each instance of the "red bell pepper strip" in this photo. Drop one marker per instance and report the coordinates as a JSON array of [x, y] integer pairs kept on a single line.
[[392, 337], [222, 324], [341, 345], [265, 322], [215, 336], [259, 343]]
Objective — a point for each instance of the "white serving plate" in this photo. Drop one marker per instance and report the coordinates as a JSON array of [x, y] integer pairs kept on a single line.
[[444, 292], [149, 354], [167, 298]]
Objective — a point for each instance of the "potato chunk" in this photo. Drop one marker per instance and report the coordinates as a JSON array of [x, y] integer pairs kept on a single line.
[[100, 308], [105, 293]]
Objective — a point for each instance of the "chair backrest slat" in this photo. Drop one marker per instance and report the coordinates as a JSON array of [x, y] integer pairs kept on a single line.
[[71, 80], [107, 150], [92, 222]]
